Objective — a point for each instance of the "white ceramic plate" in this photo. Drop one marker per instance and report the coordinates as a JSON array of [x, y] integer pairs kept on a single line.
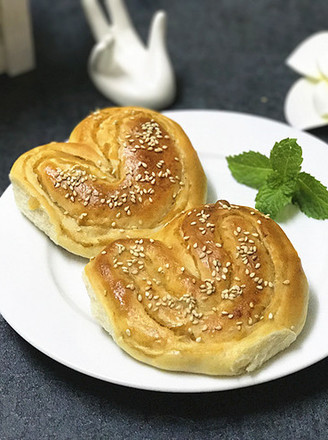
[[43, 298]]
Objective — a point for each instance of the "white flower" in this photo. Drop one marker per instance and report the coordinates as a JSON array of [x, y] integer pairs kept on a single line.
[[306, 104]]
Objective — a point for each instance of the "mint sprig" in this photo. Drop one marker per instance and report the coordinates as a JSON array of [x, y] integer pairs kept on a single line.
[[280, 181]]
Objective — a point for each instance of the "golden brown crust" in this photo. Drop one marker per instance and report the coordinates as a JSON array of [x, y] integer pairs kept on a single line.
[[124, 172], [218, 291]]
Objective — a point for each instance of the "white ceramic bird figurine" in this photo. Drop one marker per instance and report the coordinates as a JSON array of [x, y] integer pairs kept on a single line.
[[121, 66]]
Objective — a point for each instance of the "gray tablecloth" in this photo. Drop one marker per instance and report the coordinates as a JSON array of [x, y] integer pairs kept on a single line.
[[229, 55]]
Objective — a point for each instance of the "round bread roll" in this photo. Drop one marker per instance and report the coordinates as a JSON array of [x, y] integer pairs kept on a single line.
[[124, 172], [218, 291]]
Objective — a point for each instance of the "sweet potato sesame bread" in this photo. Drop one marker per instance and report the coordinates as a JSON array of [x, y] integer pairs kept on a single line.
[[124, 172], [219, 291]]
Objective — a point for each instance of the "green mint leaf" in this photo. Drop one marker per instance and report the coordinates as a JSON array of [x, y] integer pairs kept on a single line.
[[250, 168], [311, 196], [286, 158], [276, 181], [271, 200]]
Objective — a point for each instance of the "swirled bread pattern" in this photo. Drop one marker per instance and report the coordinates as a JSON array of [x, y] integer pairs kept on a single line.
[[219, 291], [124, 172]]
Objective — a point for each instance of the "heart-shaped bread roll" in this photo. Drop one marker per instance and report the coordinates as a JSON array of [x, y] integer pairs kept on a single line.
[[219, 291], [124, 172]]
